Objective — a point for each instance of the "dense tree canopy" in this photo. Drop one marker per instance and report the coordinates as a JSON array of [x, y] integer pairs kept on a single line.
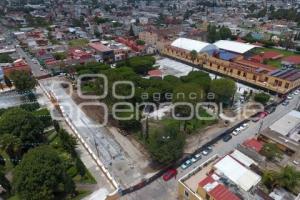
[[139, 64], [224, 89], [23, 81], [262, 98], [166, 145], [42, 175], [288, 177], [22, 124], [5, 58]]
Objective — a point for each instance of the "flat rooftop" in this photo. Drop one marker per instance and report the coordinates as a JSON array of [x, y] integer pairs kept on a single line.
[[288, 125]]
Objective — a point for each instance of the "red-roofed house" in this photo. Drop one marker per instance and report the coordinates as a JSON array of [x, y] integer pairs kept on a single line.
[[253, 144], [210, 188], [106, 54], [18, 65]]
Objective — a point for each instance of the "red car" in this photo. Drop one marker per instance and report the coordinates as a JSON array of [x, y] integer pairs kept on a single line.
[[261, 115], [169, 174]]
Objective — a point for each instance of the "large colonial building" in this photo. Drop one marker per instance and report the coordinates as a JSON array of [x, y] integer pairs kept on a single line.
[[230, 58]]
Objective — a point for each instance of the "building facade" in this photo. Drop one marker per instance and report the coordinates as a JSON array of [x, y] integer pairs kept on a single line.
[[259, 75]]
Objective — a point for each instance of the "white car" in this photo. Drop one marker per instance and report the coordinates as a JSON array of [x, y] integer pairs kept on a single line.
[[193, 160], [289, 97], [295, 92], [296, 162], [244, 126], [236, 131], [198, 156], [205, 153]]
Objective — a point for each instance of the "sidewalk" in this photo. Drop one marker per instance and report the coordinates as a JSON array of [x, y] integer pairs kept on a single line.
[[85, 157]]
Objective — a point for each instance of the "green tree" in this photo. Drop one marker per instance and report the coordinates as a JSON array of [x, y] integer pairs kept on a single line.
[[262, 98], [225, 33], [198, 77], [42, 175], [224, 90], [166, 145], [271, 151], [23, 81], [60, 56], [193, 55], [22, 124], [5, 58], [288, 177], [68, 142], [213, 34], [187, 93], [12, 145], [140, 42]]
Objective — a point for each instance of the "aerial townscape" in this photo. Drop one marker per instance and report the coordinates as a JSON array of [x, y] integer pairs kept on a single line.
[[150, 99]]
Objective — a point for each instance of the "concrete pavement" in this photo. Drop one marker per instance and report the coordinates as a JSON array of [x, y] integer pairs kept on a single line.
[[160, 189], [101, 142]]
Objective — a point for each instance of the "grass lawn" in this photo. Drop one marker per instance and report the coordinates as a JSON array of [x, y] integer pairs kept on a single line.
[[78, 42], [275, 63], [282, 51], [86, 179]]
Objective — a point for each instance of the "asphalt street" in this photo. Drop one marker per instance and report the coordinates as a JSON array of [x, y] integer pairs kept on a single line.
[[160, 189]]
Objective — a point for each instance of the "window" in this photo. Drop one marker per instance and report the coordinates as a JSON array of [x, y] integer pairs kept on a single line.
[[218, 67], [239, 73], [230, 70], [254, 77], [244, 74], [225, 69], [279, 83], [286, 85], [266, 79]]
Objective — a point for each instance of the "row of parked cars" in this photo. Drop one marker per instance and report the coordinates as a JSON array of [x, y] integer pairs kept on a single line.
[[197, 157], [290, 97]]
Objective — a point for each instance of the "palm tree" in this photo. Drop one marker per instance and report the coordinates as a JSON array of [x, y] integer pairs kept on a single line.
[[193, 55], [288, 177]]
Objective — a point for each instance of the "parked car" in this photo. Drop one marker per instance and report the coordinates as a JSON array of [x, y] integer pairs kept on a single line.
[[270, 109], [226, 138], [198, 156], [236, 132], [296, 92], [207, 150], [193, 160], [285, 103], [186, 164], [170, 174], [244, 126], [261, 115], [296, 162], [289, 97]]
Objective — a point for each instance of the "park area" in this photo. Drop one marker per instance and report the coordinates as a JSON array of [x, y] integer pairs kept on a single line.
[[164, 139], [35, 150]]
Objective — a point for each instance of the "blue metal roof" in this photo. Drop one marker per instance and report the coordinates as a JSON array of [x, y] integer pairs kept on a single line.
[[225, 55]]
